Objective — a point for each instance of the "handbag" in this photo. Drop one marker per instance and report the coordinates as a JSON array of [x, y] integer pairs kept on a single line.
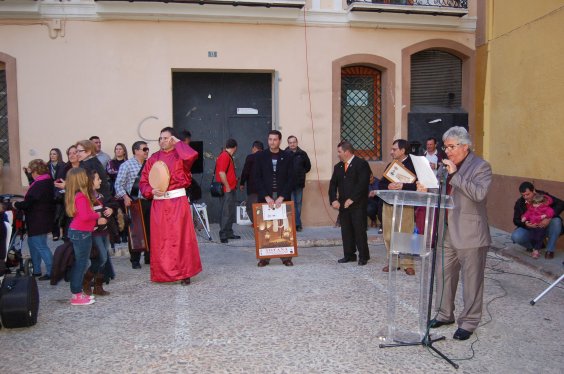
[[216, 188]]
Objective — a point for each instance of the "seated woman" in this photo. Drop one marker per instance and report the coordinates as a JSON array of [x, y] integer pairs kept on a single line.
[[39, 208]]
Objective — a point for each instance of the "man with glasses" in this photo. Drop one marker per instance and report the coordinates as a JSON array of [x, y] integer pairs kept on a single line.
[[399, 153], [175, 255], [127, 188], [467, 235]]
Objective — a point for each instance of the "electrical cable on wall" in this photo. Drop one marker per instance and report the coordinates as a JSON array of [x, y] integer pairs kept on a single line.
[[324, 199]]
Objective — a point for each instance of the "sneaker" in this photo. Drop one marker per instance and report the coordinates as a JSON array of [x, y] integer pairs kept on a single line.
[[536, 253], [81, 299]]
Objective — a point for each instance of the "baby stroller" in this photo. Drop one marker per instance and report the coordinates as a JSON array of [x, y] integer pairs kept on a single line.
[[11, 244]]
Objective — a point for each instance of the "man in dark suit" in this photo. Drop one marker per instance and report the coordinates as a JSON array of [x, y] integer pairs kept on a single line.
[[348, 192], [273, 176], [247, 178], [399, 152]]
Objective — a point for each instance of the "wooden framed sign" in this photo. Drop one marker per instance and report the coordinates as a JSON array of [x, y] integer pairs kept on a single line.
[[137, 234], [397, 172], [275, 231]]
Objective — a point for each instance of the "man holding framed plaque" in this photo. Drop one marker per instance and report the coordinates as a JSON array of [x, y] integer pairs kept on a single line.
[[399, 175], [273, 175], [175, 255]]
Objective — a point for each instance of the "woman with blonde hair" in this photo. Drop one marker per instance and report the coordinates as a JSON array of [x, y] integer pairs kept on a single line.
[[79, 205], [39, 208]]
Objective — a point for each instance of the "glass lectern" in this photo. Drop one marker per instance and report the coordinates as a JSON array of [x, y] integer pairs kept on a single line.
[[405, 324]]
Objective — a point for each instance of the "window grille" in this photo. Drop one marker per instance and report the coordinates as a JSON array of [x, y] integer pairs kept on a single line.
[[361, 110]]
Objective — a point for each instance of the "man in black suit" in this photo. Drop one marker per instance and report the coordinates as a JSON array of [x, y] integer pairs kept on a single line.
[[348, 192], [399, 153], [273, 173]]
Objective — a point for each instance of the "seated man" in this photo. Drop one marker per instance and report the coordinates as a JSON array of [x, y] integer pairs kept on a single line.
[[522, 234]]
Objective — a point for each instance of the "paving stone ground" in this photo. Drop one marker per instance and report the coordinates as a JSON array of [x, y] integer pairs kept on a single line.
[[315, 317]]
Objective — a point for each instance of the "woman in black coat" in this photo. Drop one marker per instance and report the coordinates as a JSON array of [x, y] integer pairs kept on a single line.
[[57, 170], [39, 208]]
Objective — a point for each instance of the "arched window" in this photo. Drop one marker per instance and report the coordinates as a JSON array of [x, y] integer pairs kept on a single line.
[[361, 110]]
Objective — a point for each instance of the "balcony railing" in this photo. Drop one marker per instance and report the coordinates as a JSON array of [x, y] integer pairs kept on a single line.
[[456, 8], [251, 3]]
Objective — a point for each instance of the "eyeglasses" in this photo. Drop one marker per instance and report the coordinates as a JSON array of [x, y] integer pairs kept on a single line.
[[145, 149], [449, 147], [81, 150]]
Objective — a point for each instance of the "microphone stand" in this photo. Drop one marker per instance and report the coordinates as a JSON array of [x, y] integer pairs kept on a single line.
[[427, 341]]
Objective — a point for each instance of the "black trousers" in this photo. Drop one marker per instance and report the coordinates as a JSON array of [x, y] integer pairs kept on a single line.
[[353, 232], [136, 255]]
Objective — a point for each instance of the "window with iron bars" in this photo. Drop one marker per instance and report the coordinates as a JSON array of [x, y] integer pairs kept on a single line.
[[4, 144], [361, 110]]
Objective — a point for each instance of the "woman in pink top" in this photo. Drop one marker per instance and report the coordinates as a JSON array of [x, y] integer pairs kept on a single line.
[[79, 206]]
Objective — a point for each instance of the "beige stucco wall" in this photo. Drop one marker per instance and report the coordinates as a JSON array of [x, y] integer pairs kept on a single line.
[[104, 78], [524, 102]]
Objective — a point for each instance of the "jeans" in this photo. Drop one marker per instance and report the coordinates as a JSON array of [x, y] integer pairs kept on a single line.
[[39, 250], [82, 243], [227, 217], [523, 237], [297, 196], [102, 243]]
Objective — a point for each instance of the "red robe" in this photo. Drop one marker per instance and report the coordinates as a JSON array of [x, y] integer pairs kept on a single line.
[[174, 247]]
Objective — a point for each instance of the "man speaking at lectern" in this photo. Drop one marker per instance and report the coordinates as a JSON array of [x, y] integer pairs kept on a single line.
[[467, 235]]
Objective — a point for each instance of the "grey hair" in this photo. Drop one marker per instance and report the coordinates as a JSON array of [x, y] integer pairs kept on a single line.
[[460, 134]]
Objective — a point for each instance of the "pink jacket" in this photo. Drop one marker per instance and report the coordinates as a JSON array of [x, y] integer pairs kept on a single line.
[[534, 215], [84, 218]]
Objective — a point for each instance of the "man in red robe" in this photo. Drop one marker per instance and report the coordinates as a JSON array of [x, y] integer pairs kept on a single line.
[[174, 248]]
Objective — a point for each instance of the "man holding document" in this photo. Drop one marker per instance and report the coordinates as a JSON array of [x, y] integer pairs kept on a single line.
[[273, 175], [466, 237]]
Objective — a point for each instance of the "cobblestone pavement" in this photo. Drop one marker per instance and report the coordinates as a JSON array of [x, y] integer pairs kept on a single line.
[[315, 317]]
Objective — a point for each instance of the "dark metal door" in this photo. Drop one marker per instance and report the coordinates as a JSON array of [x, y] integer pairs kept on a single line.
[[217, 106]]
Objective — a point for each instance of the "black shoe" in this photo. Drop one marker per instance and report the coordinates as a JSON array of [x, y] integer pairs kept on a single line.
[[44, 278], [36, 275], [299, 228], [224, 241], [288, 262], [135, 265], [185, 282], [462, 334], [362, 262], [434, 323], [234, 237], [345, 259]]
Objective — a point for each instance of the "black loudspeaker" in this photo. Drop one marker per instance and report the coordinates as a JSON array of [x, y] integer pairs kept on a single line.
[[198, 167], [19, 301]]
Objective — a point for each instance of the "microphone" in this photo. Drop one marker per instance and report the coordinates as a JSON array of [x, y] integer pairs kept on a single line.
[[442, 171]]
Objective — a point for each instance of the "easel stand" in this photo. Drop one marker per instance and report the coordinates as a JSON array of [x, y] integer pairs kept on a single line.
[[195, 210], [533, 302], [423, 247]]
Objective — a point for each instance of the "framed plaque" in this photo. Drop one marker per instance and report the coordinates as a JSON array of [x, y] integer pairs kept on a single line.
[[275, 237], [137, 234], [398, 173]]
